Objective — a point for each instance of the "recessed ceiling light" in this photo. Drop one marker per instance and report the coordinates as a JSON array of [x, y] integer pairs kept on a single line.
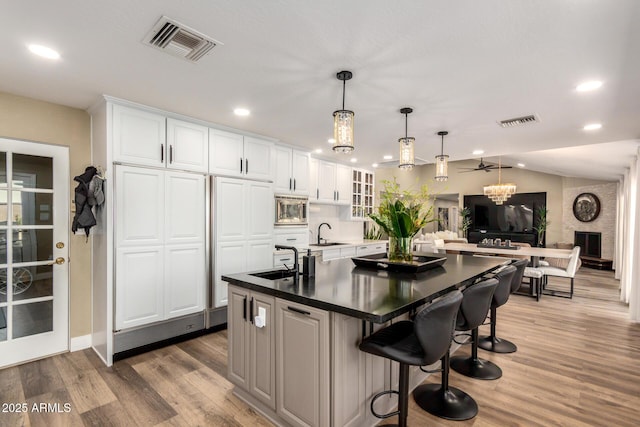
[[587, 86], [375, 165], [318, 150], [44, 51], [353, 160], [331, 141], [521, 165], [593, 126], [388, 157], [477, 152], [241, 112]]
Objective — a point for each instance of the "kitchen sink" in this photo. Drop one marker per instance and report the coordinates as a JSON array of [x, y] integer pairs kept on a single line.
[[273, 274], [327, 244]]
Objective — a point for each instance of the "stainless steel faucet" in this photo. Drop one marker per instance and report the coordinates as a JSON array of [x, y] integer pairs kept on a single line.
[[324, 223]]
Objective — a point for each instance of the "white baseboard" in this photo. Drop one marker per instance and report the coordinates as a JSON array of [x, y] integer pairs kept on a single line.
[[80, 343]]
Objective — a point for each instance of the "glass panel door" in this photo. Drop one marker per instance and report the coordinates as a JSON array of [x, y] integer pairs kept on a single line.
[[34, 234]]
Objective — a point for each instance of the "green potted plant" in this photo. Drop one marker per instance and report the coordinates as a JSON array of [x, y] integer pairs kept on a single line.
[[542, 223], [401, 214], [465, 223]]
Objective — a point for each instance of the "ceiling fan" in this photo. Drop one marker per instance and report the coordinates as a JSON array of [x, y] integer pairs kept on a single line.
[[484, 167]]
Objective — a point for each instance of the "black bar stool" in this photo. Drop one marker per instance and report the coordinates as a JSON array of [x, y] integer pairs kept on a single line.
[[440, 399], [476, 301], [418, 343], [500, 297]]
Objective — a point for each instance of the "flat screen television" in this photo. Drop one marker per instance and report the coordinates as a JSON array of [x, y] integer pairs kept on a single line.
[[516, 218]]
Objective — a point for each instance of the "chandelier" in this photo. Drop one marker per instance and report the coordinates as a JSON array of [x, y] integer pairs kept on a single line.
[[407, 160], [499, 192], [343, 121], [441, 160]]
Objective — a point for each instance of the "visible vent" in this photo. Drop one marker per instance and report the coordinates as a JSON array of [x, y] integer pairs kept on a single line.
[[179, 40], [518, 121]]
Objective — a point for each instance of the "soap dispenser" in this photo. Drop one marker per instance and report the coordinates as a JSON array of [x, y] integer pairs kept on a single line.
[[308, 264]]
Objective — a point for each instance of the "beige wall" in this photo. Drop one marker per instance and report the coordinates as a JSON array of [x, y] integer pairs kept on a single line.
[[469, 183], [38, 121]]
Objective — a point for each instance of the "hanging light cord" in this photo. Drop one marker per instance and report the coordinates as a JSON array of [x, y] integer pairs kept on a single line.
[[499, 170], [406, 126], [344, 84], [442, 147]]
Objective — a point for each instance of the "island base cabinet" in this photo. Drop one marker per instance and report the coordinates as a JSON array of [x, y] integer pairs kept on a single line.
[[251, 349], [303, 363]]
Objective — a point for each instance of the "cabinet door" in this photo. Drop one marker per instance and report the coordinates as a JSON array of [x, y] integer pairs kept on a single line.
[[238, 337], [225, 153], [302, 354], [184, 208], [262, 359], [259, 254], [282, 174], [139, 206], [188, 146], [257, 158], [139, 137], [260, 210], [313, 179], [343, 184], [300, 172], [230, 258], [231, 209], [184, 279], [139, 286], [377, 248], [326, 182]]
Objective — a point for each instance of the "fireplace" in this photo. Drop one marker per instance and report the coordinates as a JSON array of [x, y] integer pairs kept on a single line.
[[589, 243]]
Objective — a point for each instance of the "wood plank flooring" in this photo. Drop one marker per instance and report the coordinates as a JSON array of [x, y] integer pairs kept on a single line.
[[577, 364]]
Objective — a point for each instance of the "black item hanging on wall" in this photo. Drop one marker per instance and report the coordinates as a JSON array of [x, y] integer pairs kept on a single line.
[[84, 217]]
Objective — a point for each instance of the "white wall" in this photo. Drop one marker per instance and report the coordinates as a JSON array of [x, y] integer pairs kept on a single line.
[[342, 229]]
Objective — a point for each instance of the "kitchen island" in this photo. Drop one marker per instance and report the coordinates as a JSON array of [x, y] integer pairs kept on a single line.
[[293, 343]]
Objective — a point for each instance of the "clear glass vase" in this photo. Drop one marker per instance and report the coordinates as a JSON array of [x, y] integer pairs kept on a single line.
[[400, 249]]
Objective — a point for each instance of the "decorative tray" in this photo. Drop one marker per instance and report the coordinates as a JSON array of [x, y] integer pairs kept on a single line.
[[381, 262], [513, 248]]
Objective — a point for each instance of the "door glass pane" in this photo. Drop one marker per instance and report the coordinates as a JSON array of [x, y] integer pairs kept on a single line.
[[3, 206], [32, 171], [3, 323], [32, 208], [3, 169], [3, 285], [3, 246], [31, 319], [32, 282], [32, 245]]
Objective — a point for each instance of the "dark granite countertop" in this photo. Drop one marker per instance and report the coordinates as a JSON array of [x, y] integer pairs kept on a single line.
[[373, 295]]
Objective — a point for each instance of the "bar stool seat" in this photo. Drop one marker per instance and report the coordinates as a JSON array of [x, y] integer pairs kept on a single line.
[[418, 343]]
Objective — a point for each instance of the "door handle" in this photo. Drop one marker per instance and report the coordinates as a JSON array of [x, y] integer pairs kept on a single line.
[[58, 261]]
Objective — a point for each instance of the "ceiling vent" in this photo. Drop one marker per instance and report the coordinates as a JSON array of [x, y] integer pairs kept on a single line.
[[179, 40], [518, 121]]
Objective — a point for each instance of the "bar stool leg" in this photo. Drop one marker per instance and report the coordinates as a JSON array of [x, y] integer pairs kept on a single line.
[[493, 343], [443, 401], [473, 366]]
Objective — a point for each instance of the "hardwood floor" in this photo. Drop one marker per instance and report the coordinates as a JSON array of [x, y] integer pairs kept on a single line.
[[577, 364]]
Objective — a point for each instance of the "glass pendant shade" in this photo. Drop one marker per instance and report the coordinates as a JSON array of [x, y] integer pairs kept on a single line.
[[442, 167], [343, 131], [406, 152], [499, 192]]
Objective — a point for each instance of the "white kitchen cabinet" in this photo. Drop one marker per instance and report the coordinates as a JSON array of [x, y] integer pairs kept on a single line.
[[148, 139], [244, 211], [333, 183], [160, 238], [314, 190], [362, 193], [240, 156], [371, 248], [188, 146], [291, 171]]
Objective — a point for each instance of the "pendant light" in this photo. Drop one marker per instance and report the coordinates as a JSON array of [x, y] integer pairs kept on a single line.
[[407, 143], [499, 192], [343, 121], [441, 160]]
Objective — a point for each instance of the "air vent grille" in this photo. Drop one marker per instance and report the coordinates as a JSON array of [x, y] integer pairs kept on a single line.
[[179, 40], [518, 121]]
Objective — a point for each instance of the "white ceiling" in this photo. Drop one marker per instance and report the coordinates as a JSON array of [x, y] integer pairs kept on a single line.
[[462, 65]]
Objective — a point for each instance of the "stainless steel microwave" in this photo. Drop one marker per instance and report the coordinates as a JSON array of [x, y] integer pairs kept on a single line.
[[291, 210]]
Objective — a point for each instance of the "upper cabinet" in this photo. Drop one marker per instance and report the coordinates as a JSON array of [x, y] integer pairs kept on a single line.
[[149, 139], [332, 183], [362, 194], [231, 154], [291, 171]]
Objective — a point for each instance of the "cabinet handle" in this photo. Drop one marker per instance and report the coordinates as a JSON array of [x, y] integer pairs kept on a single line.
[[294, 184], [251, 310], [162, 153], [317, 193], [244, 308], [363, 247], [290, 186], [297, 310], [240, 164], [292, 239], [337, 195], [285, 259], [170, 154], [246, 165]]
